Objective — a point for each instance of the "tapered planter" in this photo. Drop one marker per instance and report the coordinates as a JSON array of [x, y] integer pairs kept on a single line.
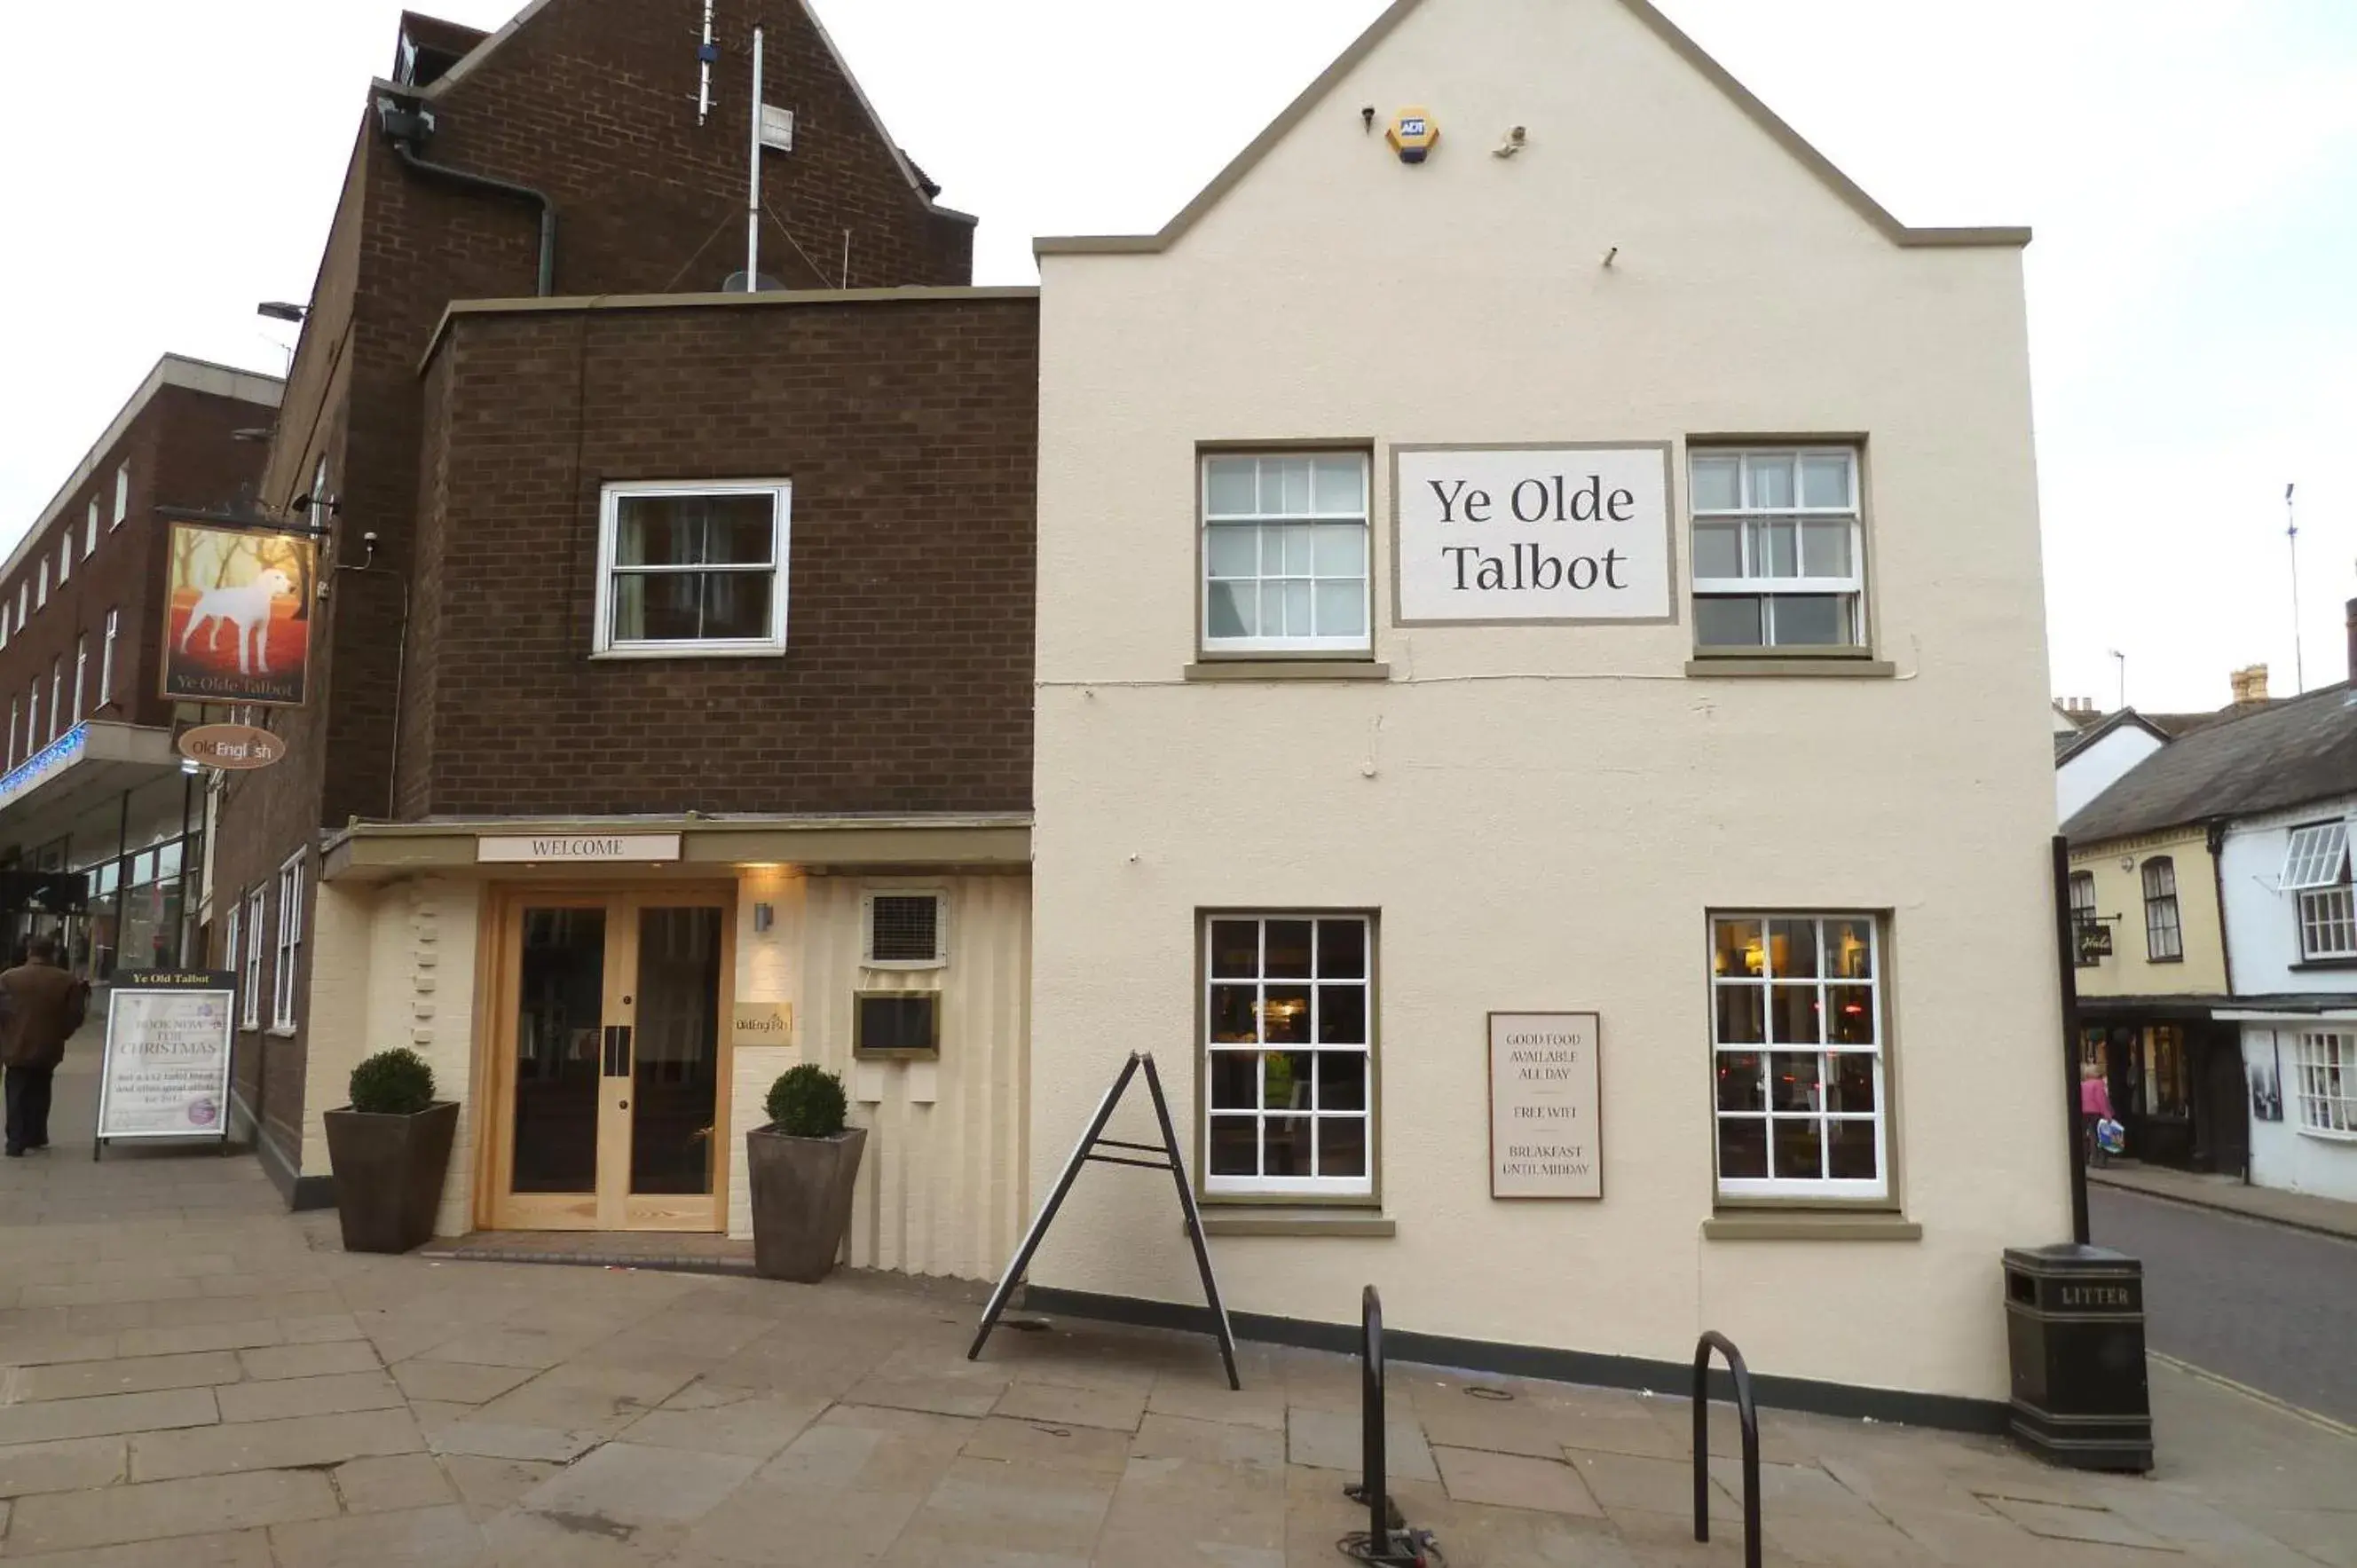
[[389, 1172], [801, 1200]]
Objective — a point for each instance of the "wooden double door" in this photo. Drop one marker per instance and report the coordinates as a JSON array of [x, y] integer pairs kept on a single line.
[[609, 1059]]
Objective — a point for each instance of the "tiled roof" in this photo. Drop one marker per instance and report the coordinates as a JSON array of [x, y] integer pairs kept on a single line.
[[2257, 760]]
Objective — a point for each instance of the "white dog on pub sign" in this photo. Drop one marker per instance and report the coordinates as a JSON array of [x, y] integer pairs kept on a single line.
[[239, 627]]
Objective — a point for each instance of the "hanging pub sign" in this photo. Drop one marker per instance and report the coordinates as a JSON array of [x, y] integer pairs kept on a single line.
[[1556, 535], [2095, 941], [237, 616], [166, 1070], [233, 748]]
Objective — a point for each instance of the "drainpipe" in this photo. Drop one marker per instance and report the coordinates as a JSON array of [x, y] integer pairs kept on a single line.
[[405, 128]]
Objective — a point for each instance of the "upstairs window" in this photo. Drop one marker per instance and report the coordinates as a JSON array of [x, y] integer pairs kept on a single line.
[[693, 569], [41, 594], [106, 658], [2163, 941], [1285, 553], [2082, 917], [89, 532], [65, 555], [1778, 559], [2316, 873], [122, 495]]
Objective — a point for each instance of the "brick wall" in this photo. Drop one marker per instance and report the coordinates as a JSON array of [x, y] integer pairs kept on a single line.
[[908, 431]]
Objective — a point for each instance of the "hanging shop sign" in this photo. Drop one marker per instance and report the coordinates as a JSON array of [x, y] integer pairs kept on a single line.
[[231, 747], [1530, 536], [527, 849], [165, 1072], [1545, 1135], [237, 616], [2095, 941]]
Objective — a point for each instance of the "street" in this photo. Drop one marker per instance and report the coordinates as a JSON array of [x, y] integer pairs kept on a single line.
[[2264, 1305]]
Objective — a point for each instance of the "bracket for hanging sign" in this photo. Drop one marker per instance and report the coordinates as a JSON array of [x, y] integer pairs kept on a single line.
[[1086, 1151]]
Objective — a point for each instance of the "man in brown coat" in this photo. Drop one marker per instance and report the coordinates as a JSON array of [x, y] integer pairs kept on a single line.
[[43, 1005]]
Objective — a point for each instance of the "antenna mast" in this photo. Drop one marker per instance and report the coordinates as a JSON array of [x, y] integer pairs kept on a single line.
[[2291, 533], [705, 55], [753, 194]]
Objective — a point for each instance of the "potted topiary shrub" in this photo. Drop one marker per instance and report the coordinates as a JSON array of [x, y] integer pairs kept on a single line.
[[803, 1165], [389, 1150]]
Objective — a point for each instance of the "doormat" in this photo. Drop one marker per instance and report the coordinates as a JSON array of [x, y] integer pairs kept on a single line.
[[667, 1252]]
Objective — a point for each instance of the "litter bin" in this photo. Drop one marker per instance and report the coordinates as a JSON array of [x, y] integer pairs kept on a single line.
[[2074, 1323]]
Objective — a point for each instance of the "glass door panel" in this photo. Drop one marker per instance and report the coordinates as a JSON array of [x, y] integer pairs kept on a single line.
[[675, 1082], [560, 1018]]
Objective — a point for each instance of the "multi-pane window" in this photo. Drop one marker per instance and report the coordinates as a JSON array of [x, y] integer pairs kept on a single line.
[[289, 952], [693, 569], [1779, 561], [1288, 1010], [1285, 553], [2082, 917], [2316, 873], [1796, 1031], [2324, 1082], [250, 982], [106, 658], [2163, 941]]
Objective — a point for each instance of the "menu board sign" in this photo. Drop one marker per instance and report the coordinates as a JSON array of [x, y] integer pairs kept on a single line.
[[165, 1073], [1545, 1138]]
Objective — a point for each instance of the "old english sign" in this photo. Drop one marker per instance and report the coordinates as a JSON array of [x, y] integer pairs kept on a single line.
[[531, 849], [1530, 536], [1545, 1135], [232, 747]]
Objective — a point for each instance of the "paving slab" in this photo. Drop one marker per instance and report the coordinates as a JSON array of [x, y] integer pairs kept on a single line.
[[1335, 1440], [392, 1482], [1216, 1442], [1513, 1480], [1067, 1405], [633, 1485], [132, 1375], [233, 1549], [491, 1440], [754, 1426], [1090, 1448], [433, 1535], [284, 1398], [65, 1467], [106, 1415], [314, 1360], [455, 1383], [59, 1521], [304, 1440]]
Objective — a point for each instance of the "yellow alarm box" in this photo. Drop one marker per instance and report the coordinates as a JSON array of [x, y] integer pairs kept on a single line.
[[1411, 133]]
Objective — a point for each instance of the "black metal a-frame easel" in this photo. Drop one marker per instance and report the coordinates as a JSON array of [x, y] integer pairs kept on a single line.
[[1085, 1151]]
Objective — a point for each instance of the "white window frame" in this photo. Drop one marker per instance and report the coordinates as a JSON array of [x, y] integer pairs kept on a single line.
[[106, 658], [231, 957], [1773, 1187], [89, 532], [2316, 873], [868, 958], [16, 712], [2327, 923], [1262, 521], [2324, 1082], [24, 606], [57, 725], [81, 672], [1310, 1186], [42, 596], [286, 955], [257, 907], [33, 719], [122, 496], [1750, 518], [4, 621], [2155, 903], [65, 555], [2082, 912], [605, 645]]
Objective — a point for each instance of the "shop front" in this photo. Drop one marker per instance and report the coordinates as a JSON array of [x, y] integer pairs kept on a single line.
[[610, 1002], [2175, 1078]]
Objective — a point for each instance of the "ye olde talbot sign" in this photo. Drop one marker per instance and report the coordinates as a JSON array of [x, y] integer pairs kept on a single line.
[[232, 747], [1532, 535], [528, 849], [1545, 1140]]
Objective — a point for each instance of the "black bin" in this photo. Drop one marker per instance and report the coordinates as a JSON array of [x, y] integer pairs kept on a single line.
[[2074, 1324]]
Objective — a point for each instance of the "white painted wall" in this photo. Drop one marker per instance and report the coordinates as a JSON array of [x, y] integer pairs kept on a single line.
[[2284, 1154], [2262, 922], [1543, 815], [2098, 767]]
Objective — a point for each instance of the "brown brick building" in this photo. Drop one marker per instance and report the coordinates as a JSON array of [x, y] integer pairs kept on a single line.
[[91, 785], [671, 679]]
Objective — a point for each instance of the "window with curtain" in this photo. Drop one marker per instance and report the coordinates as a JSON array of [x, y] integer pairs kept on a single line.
[[693, 569], [2163, 941], [1779, 551]]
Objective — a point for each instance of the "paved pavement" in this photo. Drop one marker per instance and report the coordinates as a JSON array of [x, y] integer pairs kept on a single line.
[[2300, 1210], [2272, 1307], [189, 1377]]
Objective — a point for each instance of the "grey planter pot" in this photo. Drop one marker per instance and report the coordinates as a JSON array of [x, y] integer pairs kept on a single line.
[[389, 1172], [801, 1200]]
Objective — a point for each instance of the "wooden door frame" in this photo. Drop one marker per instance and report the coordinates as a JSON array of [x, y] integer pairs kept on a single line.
[[493, 1098]]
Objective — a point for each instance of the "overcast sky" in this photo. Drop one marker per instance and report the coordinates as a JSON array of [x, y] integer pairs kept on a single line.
[[2190, 167]]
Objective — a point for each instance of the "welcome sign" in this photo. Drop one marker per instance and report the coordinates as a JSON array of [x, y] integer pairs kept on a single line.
[[1535, 535]]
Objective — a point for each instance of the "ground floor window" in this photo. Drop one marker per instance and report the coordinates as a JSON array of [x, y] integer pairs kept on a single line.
[[1797, 1039], [1289, 1068], [2324, 1080], [289, 954], [2167, 1082]]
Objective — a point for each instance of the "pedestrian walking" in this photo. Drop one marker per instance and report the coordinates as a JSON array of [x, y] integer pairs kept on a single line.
[[2095, 1109], [40, 1005]]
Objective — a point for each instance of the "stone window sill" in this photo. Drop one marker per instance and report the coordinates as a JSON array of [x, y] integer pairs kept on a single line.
[[1833, 666], [2307, 964], [1288, 670], [1257, 1221], [1790, 1226]]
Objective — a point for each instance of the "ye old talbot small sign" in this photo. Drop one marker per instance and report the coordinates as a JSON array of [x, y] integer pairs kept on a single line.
[[1546, 1139]]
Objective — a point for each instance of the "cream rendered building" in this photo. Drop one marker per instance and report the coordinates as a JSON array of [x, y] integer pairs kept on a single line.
[[1309, 783]]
